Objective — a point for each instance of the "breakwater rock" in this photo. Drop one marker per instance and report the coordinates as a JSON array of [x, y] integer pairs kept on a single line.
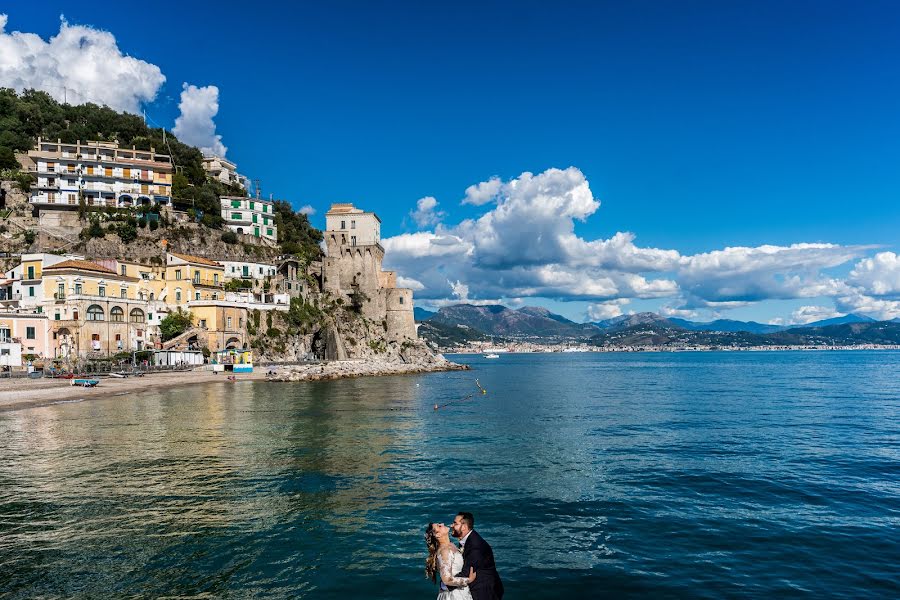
[[340, 369]]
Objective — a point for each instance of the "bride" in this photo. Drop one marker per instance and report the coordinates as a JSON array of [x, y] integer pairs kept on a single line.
[[446, 559]]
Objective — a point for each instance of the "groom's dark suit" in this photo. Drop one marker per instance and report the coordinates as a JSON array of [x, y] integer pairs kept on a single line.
[[477, 554]]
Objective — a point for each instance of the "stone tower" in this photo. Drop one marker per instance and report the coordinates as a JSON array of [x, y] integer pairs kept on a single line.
[[352, 270]]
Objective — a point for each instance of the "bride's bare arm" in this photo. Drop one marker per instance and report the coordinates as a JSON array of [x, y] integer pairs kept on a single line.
[[445, 561]]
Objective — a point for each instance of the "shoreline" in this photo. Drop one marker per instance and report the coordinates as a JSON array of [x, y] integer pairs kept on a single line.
[[23, 393]]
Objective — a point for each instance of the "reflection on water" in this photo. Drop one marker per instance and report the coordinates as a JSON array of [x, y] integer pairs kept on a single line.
[[690, 474]]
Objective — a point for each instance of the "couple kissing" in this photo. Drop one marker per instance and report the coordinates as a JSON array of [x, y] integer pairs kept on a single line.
[[467, 572]]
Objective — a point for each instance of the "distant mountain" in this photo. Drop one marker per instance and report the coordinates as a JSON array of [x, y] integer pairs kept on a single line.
[[851, 318], [626, 321], [529, 322], [448, 336], [661, 335], [726, 325], [420, 314]]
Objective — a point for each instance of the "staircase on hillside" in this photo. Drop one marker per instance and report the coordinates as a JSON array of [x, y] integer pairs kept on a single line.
[[180, 342]]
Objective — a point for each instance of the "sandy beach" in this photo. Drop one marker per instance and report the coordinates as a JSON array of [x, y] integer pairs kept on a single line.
[[22, 393], [27, 393]]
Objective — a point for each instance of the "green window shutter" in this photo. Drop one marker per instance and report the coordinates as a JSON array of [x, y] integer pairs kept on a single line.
[[254, 217], [235, 204]]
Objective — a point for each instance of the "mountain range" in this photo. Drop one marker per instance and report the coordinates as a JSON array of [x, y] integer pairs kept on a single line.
[[532, 322]]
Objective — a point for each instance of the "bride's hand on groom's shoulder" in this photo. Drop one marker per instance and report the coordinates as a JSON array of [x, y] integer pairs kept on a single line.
[[471, 574]]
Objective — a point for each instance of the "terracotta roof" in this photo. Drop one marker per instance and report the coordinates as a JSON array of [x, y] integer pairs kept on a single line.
[[196, 259], [81, 265]]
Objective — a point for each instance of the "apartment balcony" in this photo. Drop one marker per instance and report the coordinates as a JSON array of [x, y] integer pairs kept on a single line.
[[207, 282], [11, 298]]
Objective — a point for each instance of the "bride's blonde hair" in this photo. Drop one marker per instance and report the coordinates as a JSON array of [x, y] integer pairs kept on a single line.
[[431, 561]]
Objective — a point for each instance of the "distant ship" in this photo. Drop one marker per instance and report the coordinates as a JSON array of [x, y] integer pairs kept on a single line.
[[492, 355]]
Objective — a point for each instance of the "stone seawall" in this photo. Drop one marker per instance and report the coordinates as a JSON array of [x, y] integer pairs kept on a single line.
[[361, 368]]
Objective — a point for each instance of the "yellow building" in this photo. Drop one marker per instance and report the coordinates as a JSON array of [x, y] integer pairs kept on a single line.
[[94, 310], [189, 278], [223, 323]]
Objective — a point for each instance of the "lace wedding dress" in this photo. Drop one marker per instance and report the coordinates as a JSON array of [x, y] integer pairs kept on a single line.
[[450, 561]]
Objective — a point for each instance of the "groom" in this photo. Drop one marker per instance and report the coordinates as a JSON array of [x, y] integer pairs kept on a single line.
[[477, 554]]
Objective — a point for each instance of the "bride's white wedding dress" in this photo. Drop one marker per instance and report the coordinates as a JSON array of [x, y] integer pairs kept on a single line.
[[450, 561]]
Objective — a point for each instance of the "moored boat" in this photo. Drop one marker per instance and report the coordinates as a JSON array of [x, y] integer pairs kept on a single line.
[[85, 382]]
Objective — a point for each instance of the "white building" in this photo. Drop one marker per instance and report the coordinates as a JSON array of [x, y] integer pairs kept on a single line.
[[356, 226], [250, 216], [223, 170], [248, 270], [101, 172]]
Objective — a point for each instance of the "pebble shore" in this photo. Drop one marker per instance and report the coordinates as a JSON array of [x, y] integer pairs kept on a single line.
[[361, 368]]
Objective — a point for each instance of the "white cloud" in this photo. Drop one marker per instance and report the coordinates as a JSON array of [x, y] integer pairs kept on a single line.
[[526, 246], [859, 303], [606, 310], [307, 210], [79, 64], [482, 193], [426, 213], [878, 275], [808, 314], [681, 313], [195, 125], [409, 282]]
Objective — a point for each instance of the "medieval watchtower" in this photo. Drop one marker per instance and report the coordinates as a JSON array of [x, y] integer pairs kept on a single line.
[[352, 269]]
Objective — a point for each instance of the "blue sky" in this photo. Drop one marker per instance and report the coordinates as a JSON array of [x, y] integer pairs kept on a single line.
[[697, 125]]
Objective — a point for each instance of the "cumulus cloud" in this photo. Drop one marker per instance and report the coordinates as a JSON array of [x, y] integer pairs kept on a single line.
[[307, 210], [195, 125], [79, 64], [606, 310], [878, 275], [426, 213], [484, 192], [525, 246], [409, 282]]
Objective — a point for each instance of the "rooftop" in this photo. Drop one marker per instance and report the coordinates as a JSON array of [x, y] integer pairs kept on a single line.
[[195, 259], [81, 265]]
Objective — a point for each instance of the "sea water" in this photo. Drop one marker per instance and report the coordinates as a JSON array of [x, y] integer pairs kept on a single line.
[[770, 474]]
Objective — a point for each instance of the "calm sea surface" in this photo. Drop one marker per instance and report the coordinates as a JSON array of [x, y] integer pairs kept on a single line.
[[592, 475]]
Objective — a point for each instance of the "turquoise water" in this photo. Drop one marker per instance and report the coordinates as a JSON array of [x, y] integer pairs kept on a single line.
[[592, 475]]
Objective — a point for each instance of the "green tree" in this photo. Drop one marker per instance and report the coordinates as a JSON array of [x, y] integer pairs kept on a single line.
[[8, 158], [175, 324]]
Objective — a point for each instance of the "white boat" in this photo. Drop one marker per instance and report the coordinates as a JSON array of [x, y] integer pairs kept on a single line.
[[492, 355]]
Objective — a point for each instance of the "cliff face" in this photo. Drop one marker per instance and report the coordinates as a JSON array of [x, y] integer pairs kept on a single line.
[[328, 329]]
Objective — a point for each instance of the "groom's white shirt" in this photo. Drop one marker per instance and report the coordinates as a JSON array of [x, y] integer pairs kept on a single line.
[[462, 540]]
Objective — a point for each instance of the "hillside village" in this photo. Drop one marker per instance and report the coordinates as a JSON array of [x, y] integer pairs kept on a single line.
[[108, 259]]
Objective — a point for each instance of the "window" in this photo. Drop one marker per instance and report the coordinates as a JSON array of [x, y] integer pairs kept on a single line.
[[56, 317], [229, 322], [254, 218], [178, 295], [29, 333], [122, 269], [5, 334], [196, 276], [269, 231], [178, 275], [117, 315], [401, 299], [260, 270], [123, 293], [101, 291], [77, 288], [246, 271], [136, 315], [30, 273], [95, 313], [60, 291], [236, 216], [352, 240], [149, 316], [343, 224], [240, 321], [235, 204], [252, 206], [215, 278], [31, 291], [203, 323], [352, 224], [196, 295]]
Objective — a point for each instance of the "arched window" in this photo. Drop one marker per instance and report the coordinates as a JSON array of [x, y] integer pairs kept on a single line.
[[116, 314], [95, 313], [177, 294], [136, 315]]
